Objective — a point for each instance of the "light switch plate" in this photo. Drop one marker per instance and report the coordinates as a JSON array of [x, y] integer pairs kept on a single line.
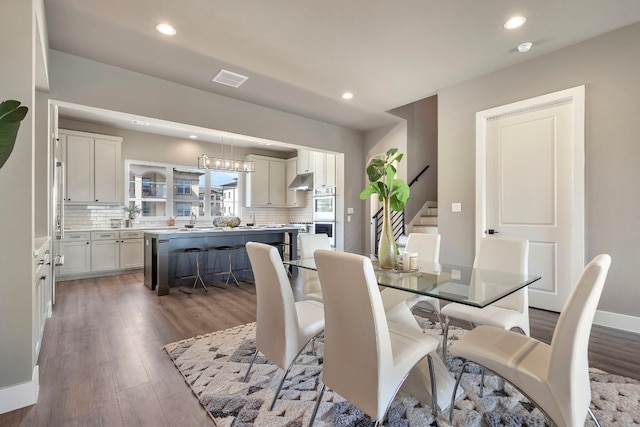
[[349, 210], [456, 207]]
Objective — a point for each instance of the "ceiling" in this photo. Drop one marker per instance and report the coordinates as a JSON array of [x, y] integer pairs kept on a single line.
[[301, 55]]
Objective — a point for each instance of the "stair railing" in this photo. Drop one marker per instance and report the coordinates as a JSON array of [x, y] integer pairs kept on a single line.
[[397, 218]]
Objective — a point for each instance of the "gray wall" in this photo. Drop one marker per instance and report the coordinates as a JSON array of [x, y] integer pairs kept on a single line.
[[609, 67], [16, 189], [85, 82], [422, 150]]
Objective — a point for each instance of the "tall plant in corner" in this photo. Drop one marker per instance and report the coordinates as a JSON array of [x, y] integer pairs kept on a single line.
[[393, 193], [11, 114]]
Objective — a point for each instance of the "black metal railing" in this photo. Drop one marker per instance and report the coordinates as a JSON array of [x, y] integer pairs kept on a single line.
[[397, 218]]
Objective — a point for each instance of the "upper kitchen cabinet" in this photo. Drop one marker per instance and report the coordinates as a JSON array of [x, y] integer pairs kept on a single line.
[[295, 199], [93, 165], [324, 170], [266, 186], [304, 162]]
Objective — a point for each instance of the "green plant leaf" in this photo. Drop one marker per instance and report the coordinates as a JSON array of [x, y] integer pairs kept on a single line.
[[11, 114]]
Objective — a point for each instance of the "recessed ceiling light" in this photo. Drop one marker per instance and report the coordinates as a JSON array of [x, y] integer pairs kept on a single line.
[[524, 47], [193, 137], [140, 123], [264, 143], [515, 22], [347, 95], [166, 29]]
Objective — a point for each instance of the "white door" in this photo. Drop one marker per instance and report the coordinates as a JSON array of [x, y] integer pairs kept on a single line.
[[531, 185]]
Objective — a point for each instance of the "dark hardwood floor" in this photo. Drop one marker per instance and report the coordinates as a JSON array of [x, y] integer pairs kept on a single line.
[[102, 362]]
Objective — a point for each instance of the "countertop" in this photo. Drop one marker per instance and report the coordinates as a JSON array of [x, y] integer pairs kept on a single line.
[[199, 231]]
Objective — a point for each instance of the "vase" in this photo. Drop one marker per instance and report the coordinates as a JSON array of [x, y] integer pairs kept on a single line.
[[387, 244]]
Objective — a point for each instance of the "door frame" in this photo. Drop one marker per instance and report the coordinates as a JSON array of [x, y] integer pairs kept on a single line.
[[575, 96]]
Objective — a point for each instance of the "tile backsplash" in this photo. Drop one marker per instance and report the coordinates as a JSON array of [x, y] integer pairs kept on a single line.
[[88, 216]]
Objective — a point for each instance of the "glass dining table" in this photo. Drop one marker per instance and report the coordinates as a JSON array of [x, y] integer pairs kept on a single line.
[[462, 284], [465, 285]]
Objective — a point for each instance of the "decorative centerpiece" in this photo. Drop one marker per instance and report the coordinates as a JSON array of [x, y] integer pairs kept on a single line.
[[393, 193], [226, 221], [133, 212]]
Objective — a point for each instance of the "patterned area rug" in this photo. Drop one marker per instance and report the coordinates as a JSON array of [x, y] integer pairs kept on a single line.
[[213, 365]]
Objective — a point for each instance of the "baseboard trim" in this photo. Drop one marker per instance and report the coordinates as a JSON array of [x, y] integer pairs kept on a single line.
[[617, 321], [21, 395]]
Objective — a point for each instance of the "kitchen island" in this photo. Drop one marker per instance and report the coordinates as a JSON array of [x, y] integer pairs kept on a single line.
[[162, 249]]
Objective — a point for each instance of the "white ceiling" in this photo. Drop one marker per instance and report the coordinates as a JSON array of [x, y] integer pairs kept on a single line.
[[301, 55]]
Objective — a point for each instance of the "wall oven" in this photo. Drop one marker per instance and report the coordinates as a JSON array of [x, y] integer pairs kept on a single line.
[[324, 204], [328, 228]]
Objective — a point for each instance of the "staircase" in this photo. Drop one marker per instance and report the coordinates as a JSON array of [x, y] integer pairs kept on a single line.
[[427, 220]]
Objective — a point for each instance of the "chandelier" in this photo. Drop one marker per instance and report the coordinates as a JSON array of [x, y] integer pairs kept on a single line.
[[223, 164]]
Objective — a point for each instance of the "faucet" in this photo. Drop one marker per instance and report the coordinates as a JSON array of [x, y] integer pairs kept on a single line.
[[252, 218]]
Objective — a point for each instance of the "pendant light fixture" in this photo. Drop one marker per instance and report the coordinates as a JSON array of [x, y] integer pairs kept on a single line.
[[224, 164]]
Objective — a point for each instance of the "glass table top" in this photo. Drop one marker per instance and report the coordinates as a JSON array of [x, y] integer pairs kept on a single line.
[[465, 285]]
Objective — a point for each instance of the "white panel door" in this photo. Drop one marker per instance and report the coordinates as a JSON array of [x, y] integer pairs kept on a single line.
[[531, 192]]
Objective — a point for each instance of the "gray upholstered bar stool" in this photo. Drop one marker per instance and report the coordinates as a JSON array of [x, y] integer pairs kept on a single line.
[[187, 256], [229, 250]]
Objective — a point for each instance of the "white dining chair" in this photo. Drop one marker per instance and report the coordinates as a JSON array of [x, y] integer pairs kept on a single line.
[[284, 327], [505, 254], [310, 283], [365, 361], [554, 377], [427, 246]]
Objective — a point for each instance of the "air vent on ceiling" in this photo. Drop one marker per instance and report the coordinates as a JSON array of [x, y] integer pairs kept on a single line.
[[229, 78]]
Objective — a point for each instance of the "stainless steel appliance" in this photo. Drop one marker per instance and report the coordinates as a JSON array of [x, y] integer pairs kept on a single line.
[[326, 227], [324, 204]]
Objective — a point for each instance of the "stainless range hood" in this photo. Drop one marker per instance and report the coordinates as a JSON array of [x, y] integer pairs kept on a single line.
[[302, 182]]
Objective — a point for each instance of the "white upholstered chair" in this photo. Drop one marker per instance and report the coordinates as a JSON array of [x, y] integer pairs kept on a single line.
[[427, 246], [554, 377], [364, 361], [506, 254], [310, 283], [283, 327]]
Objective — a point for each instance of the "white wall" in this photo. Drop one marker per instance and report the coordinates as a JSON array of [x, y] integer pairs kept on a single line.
[[608, 66], [17, 39]]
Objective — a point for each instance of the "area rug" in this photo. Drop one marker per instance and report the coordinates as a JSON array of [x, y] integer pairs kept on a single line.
[[214, 364]]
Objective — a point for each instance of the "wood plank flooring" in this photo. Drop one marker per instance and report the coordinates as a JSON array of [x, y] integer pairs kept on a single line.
[[102, 362]]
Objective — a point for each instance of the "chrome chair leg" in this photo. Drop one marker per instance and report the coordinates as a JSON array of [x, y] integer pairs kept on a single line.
[[434, 389], [316, 406], [445, 337], [593, 417], [481, 382], [455, 388], [253, 359]]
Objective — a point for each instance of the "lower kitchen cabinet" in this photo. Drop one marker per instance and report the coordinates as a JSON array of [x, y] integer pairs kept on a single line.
[[131, 249], [92, 253], [76, 249], [105, 255]]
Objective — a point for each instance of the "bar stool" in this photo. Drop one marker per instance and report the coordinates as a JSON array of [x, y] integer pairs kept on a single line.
[[229, 249], [188, 255]]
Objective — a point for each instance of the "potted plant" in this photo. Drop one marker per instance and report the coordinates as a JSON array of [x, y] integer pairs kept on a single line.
[[133, 211], [11, 114], [393, 193]]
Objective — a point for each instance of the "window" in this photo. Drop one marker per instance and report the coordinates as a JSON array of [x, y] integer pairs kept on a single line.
[[183, 209], [183, 186], [206, 193]]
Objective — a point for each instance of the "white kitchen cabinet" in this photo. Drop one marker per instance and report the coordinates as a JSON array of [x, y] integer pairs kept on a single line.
[[304, 162], [41, 295], [324, 170], [93, 166], [105, 251], [131, 249], [295, 199], [76, 249], [266, 186]]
